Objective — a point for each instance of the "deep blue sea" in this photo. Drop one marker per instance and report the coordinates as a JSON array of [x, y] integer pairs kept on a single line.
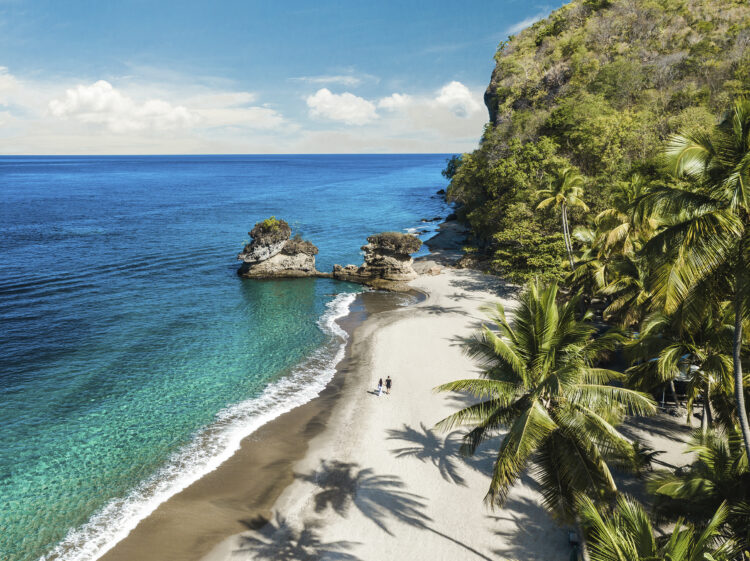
[[133, 359]]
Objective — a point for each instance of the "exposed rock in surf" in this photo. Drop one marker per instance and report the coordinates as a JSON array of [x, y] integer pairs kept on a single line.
[[272, 254], [388, 262]]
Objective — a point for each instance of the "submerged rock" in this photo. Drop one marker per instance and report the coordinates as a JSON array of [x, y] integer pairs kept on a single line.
[[272, 254], [388, 262]]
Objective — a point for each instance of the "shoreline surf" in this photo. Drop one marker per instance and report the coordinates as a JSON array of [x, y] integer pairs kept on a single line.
[[212, 446]]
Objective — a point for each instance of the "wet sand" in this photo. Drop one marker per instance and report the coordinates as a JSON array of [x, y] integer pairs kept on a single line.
[[240, 493]]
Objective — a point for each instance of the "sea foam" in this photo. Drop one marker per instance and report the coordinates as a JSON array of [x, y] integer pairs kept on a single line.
[[211, 446]]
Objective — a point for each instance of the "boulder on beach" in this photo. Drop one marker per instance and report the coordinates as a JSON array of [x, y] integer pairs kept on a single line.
[[388, 264], [273, 253]]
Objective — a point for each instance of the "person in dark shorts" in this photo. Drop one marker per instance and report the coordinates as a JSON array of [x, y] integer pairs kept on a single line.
[[388, 384]]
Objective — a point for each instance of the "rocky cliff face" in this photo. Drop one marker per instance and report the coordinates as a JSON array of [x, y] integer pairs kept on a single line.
[[388, 262], [272, 254]]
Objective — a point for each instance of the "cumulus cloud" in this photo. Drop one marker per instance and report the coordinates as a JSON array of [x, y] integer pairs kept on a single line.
[[102, 103], [457, 97], [157, 117], [394, 102], [346, 107]]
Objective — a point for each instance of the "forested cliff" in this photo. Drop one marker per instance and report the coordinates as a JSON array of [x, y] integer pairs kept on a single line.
[[597, 87]]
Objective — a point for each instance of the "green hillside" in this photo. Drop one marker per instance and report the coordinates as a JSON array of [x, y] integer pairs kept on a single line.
[[598, 86]]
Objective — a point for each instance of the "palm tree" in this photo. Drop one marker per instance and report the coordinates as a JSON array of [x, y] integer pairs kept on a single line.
[[565, 190], [620, 228], [626, 534], [628, 290], [540, 383], [718, 476], [694, 341], [708, 230]]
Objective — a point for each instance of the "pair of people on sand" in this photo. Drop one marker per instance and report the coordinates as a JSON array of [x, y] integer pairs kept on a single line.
[[388, 384]]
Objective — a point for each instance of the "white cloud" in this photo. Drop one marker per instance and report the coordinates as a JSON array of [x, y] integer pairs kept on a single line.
[[523, 24], [457, 97], [8, 86], [131, 115], [394, 101], [346, 107], [101, 103], [350, 78], [222, 99], [344, 80], [249, 117]]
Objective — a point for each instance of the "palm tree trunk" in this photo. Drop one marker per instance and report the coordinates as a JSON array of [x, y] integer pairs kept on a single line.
[[709, 409], [739, 392], [566, 235], [673, 391]]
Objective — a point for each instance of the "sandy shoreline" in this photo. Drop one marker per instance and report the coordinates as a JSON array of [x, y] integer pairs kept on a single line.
[[378, 482], [243, 489], [354, 476]]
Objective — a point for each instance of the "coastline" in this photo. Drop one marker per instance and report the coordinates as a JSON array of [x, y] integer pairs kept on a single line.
[[331, 468], [378, 483], [244, 487], [241, 491], [270, 486], [358, 476]]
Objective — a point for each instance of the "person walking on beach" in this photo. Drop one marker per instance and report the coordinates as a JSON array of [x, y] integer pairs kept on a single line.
[[380, 387], [388, 383]]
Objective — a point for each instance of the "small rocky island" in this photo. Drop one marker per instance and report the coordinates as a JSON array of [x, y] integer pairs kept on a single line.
[[273, 253], [388, 264]]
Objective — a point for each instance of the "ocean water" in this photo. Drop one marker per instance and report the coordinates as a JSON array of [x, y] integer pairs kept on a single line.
[[133, 359]]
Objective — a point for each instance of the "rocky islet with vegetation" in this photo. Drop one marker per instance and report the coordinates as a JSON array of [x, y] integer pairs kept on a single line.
[[274, 253]]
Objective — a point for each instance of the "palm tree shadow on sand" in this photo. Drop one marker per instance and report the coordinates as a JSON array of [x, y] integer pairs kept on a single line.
[[278, 541], [377, 497], [444, 452]]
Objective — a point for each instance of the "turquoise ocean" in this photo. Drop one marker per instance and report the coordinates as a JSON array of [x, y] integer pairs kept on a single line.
[[133, 359]]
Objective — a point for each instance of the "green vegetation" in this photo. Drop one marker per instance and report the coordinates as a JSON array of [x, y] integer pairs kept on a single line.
[[396, 241], [668, 264], [625, 533], [565, 191], [597, 87], [271, 223], [629, 121], [540, 382], [719, 476], [273, 229]]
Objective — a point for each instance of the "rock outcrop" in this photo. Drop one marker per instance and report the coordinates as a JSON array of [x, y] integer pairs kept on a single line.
[[273, 254], [388, 262]]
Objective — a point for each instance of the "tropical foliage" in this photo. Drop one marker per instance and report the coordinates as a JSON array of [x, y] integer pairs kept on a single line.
[[719, 476], [628, 121], [540, 381], [625, 533], [598, 86]]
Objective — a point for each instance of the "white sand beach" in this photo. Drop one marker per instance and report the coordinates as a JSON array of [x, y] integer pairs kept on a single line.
[[380, 482]]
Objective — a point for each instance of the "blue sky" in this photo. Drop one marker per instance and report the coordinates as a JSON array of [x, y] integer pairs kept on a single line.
[[249, 77]]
